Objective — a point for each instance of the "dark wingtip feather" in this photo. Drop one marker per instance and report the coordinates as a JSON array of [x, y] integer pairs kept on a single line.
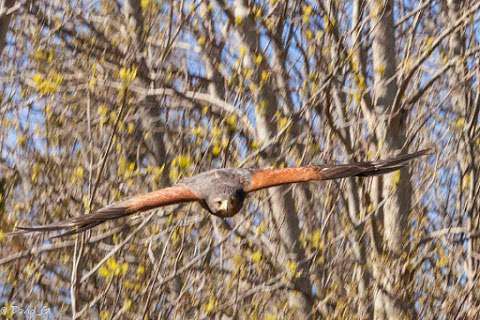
[[370, 168], [80, 223], [386, 166]]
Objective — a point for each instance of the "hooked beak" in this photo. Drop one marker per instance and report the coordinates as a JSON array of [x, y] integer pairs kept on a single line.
[[224, 205]]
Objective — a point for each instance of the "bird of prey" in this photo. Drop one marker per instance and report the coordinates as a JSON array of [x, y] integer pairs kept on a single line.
[[222, 191]]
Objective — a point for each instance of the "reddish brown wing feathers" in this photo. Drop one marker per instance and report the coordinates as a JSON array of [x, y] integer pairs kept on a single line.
[[155, 199], [266, 178], [159, 198]]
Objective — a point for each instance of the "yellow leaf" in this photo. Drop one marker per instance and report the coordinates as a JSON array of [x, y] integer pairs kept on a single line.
[[158, 171], [262, 227], [122, 166], [102, 110], [198, 131], [205, 109], [112, 264], [123, 268], [104, 272], [35, 172], [130, 170], [232, 121], [262, 106], [37, 79], [357, 96], [173, 173], [216, 132], [21, 140], [264, 76], [113, 117], [459, 123], [308, 34], [443, 261], [130, 128], [78, 174], [211, 304], [175, 236], [370, 208], [91, 83], [40, 55], [248, 72], [429, 43], [282, 123], [127, 75], [361, 83], [395, 179], [140, 270], [380, 69], [258, 59], [7, 311], [270, 316], [127, 304], [47, 84], [201, 41], [145, 4], [253, 86], [238, 20], [256, 256], [104, 315], [317, 242], [242, 51], [216, 150], [467, 179], [307, 12], [182, 161], [292, 267], [258, 12], [237, 260], [329, 23]]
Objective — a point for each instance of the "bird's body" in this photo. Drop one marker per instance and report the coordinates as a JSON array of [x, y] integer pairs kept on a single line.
[[223, 191]]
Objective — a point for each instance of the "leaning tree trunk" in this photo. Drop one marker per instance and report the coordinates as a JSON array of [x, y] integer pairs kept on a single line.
[[282, 203]]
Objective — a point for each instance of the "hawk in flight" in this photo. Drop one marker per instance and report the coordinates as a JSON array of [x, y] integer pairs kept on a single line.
[[222, 191]]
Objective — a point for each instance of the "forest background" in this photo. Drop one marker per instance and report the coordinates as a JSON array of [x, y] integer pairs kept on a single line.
[[100, 100]]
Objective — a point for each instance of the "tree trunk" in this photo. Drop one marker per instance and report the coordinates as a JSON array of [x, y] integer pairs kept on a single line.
[[4, 21], [462, 106], [282, 204], [392, 300]]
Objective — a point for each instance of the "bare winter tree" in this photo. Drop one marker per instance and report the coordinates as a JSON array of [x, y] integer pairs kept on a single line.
[[103, 100]]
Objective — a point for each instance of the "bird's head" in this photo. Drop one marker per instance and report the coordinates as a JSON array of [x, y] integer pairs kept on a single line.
[[225, 204]]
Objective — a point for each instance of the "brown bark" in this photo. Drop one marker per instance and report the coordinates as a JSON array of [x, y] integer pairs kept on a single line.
[[463, 107], [282, 204], [392, 300], [4, 21]]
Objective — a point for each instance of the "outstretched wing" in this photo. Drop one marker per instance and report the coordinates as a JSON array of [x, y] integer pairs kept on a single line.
[[155, 199], [266, 178]]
